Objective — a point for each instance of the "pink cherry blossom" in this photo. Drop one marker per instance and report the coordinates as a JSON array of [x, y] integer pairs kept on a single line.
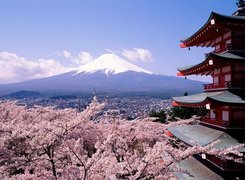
[[46, 143]]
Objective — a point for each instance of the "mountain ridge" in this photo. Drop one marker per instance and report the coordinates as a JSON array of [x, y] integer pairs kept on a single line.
[[103, 76]]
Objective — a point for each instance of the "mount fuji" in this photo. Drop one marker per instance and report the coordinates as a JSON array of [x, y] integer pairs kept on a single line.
[[108, 73], [110, 64]]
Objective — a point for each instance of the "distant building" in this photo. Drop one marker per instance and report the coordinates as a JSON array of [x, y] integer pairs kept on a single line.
[[225, 96]]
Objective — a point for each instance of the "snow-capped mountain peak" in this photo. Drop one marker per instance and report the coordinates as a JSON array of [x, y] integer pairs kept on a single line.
[[110, 64], [99, 75]]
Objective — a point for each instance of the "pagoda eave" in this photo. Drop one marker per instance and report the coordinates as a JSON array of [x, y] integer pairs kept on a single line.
[[176, 103], [204, 68], [212, 62], [215, 99], [205, 38], [198, 134], [217, 24]]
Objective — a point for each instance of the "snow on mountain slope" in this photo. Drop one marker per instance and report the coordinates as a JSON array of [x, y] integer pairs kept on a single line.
[[110, 64], [107, 74]]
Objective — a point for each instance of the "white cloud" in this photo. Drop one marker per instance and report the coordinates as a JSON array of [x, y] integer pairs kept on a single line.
[[138, 54], [66, 54], [14, 68], [112, 51], [82, 58]]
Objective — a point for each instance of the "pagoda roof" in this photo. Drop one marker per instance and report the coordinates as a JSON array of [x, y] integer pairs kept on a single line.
[[202, 135], [228, 57], [196, 169], [216, 25], [201, 99], [232, 54]]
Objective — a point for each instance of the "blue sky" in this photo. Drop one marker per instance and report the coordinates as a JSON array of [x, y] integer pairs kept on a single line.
[[44, 37]]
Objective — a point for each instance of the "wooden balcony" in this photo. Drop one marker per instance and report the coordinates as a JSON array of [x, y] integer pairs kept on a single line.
[[224, 48], [223, 85], [224, 124], [217, 122], [220, 85]]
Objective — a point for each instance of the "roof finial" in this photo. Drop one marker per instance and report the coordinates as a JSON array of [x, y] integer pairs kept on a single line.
[[241, 8], [240, 3]]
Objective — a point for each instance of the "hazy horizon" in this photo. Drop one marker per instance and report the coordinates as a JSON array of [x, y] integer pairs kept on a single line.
[[44, 38]]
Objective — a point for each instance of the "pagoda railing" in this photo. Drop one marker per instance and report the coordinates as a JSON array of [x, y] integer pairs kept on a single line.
[[219, 85], [217, 122], [221, 123], [227, 47], [224, 85]]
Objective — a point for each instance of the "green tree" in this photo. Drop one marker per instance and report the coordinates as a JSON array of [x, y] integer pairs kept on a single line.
[[185, 112], [161, 115]]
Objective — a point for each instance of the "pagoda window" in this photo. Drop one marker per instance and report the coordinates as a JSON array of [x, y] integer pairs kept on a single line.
[[216, 79], [212, 114], [227, 77], [225, 115]]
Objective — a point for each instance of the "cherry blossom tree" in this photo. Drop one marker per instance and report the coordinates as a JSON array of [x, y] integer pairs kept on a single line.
[[46, 143]]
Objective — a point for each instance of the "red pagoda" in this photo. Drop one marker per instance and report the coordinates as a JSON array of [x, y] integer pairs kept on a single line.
[[225, 96]]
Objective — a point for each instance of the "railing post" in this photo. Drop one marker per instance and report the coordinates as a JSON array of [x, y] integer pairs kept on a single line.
[[225, 84]]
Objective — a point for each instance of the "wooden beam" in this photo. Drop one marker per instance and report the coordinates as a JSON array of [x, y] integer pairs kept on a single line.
[[182, 45], [204, 73], [211, 43], [206, 43]]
